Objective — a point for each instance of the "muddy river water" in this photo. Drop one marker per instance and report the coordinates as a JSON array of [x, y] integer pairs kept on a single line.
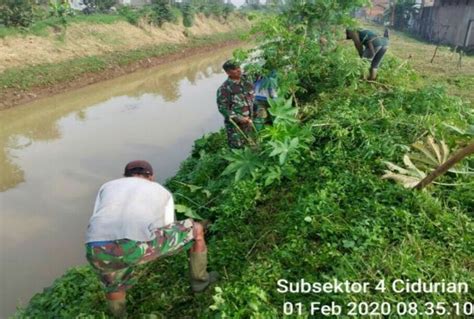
[[55, 154]]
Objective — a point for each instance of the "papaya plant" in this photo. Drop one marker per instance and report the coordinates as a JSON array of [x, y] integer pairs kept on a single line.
[[428, 157]]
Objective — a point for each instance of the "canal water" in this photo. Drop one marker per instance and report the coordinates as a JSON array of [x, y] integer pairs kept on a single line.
[[56, 153]]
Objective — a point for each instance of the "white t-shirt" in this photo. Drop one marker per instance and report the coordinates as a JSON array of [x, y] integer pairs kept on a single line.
[[130, 207]]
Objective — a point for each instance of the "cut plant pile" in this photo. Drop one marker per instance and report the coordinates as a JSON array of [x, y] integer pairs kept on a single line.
[[308, 200]]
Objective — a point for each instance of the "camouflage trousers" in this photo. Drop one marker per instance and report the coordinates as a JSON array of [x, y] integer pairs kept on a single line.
[[235, 139], [114, 261]]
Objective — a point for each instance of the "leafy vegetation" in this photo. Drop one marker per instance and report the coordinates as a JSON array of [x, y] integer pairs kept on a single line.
[[16, 13], [26, 16], [60, 10], [188, 15], [161, 12], [100, 5], [306, 199]]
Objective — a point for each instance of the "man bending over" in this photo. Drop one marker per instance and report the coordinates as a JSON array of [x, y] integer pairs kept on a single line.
[[133, 223]]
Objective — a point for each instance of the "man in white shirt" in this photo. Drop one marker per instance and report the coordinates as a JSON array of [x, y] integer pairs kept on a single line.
[[134, 222]]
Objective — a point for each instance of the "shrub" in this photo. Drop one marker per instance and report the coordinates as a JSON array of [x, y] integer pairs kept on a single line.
[[16, 13], [132, 16], [105, 5], [98, 5], [60, 9], [188, 15], [228, 9], [162, 12]]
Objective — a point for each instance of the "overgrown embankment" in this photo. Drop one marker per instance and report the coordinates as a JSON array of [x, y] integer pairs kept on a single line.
[[84, 53], [307, 201]]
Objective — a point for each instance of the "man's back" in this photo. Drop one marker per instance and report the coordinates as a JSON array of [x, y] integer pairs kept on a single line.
[[129, 208], [367, 36]]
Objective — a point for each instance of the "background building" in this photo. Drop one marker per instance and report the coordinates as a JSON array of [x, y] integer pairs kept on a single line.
[[448, 22]]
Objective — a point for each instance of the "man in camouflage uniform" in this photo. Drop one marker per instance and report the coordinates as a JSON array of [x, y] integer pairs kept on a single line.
[[235, 99], [134, 223]]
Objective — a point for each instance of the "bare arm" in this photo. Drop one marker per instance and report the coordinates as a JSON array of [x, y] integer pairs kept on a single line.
[[371, 48], [357, 43]]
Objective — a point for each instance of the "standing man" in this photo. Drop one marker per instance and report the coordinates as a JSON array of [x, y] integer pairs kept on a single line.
[[371, 46], [235, 102], [133, 223]]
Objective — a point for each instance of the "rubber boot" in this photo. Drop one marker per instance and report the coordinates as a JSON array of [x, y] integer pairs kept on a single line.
[[200, 278], [372, 75], [117, 308]]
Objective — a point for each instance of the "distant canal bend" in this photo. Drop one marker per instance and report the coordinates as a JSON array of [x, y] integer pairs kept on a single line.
[[55, 153]]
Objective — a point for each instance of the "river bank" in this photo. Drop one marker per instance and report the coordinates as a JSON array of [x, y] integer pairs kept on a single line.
[[55, 152], [112, 53]]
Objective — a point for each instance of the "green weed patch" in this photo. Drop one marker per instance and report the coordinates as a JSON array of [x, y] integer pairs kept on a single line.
[[334, 217], [306, 199]]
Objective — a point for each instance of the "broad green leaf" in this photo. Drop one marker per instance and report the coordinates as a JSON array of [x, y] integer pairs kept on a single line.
[[469, 131], [243, 162], [283, 111], [191, 187], [348, 243], [186, 211], [274, 174]]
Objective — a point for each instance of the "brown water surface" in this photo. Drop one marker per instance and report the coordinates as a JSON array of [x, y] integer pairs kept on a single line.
[[55, 154]]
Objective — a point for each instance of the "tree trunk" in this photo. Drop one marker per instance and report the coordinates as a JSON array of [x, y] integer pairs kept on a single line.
[[443, 168]]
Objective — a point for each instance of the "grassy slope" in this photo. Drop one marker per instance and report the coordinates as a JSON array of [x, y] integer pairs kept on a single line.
[[44, 74], [335, 219], [51, 73], [42, 27]]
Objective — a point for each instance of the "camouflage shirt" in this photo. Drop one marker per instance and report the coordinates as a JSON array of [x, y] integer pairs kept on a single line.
[[235, 100]]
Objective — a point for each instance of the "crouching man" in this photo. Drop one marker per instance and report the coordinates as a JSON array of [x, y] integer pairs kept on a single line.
[[133, 223]]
